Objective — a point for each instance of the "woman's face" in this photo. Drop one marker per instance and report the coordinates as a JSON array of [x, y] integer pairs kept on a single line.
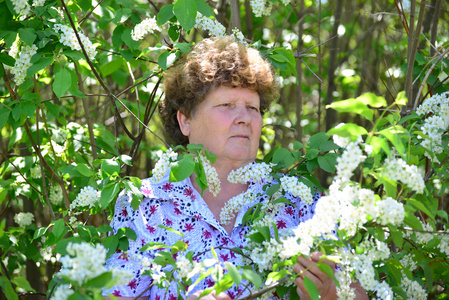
[[228, 123]]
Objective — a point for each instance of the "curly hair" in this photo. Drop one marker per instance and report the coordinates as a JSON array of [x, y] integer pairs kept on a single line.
[[213, 62]]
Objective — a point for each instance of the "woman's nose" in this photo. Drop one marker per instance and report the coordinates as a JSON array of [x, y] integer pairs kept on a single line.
[[243, 116]]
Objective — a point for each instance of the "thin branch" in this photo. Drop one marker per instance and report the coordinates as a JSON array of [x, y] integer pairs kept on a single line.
[[90, 12], [88, 117], [264, 290], [22, 175], [44, 185], [427, 76], [94, 70]]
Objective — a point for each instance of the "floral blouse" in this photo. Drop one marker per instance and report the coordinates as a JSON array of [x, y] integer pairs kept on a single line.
[[179, 206]]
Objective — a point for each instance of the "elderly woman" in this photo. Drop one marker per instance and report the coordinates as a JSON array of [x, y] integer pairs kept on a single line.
[[215, 96]]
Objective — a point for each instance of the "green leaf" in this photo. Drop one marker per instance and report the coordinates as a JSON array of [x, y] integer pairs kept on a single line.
[[252, 276], [85, 5], [8, 289], [326, 269], [110, 167], [111, 243], [185, 11], [372, 100], [84, 170], [40, 232], [62, 82], [311, 288], [112, 66], [6, 59], [165, 14], [43, 62], [28, 35], [420, 206], [352, 106], [396, 235], [378, 144], [58, 228], [235, 275], [317, 140], [126, 37], [204, 8], [283, 155], [166, 59], [401, 99], [126, 159], [173, 32], [328, 146], [183, 47], [182, 169], [312, 154], [428, 273], [23, 283], [394, 134], [328, 162], [394, 268], [100, 281], [109, 193], [135, 192], [297, 145], [4, 116], [348, 130]]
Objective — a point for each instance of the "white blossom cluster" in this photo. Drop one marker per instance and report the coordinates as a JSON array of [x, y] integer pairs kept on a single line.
[[35, 172], [346, 164], [157, 274], [55, 194], [348, 206], [24, 219], [85, 198], [443, 245], [213, 183], [391, 212], [68, 38], [23, 63], [297, 188], [85, 262], [14, 50], [426, 236], [345, 291], [163, 165], [261, 7], [62, 292], [365, 273], [214, 27], [149, 25], [238, 35], [408, 262], [58, 149], [436, 124], [184, 266], [21, 7], [253, 172], [233, 206], [266, 255], [413, 289], [397, 169]]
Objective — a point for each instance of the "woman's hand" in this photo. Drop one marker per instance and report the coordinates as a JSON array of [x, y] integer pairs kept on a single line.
[[211, 296], [307, 267]]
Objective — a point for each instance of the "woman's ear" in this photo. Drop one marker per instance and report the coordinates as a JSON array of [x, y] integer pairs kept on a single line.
[[184, 123]]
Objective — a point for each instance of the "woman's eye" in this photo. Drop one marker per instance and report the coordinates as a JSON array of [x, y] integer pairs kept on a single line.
[[253, 107], [225, 104]]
